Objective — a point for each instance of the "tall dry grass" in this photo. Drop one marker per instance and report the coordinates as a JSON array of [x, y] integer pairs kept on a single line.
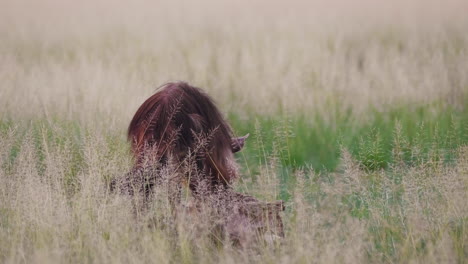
[[56, 207]]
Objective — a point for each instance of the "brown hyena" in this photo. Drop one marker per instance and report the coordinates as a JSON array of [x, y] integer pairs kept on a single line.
[[180, 127]]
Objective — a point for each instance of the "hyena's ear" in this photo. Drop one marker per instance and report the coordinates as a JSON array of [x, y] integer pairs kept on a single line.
[[238, 143]]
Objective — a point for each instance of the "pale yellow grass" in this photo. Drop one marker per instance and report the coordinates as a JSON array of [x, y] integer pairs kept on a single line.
[[49, 215], [97, 60]]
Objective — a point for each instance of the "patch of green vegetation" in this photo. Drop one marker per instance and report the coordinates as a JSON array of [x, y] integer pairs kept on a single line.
[[410, 135], [417, 133]]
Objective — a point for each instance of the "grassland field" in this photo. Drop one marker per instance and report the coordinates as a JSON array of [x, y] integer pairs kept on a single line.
[[357, 114]]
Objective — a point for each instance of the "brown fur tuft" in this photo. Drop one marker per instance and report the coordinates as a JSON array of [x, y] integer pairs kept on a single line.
[[170, 124]]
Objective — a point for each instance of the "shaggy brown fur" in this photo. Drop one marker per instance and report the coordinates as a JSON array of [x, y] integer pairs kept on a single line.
[[241, 218], [180, 119]]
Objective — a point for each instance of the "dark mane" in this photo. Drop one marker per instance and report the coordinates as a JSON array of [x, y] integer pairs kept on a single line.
[[173, 121]]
